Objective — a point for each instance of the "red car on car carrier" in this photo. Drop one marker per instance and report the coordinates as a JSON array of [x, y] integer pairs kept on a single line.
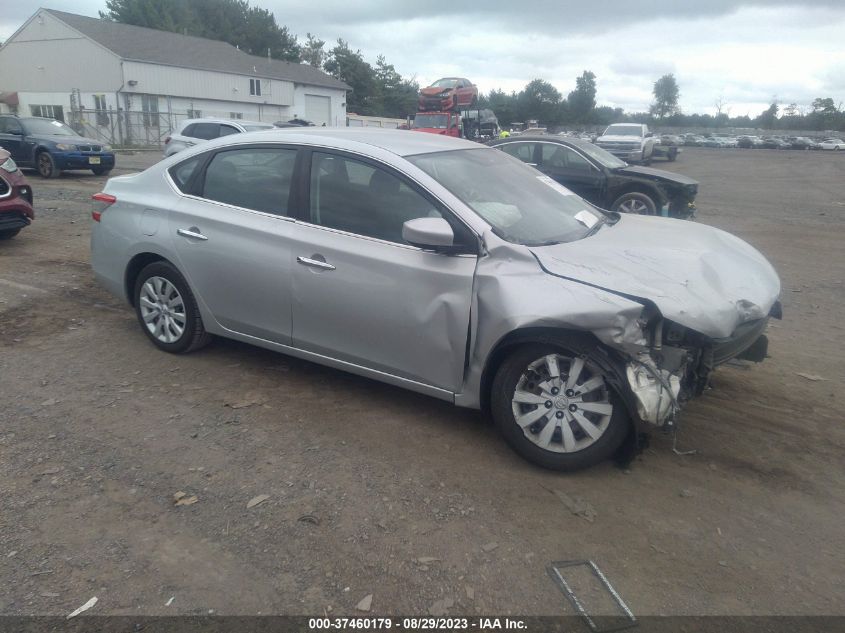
[[449, 93], [15, 198]]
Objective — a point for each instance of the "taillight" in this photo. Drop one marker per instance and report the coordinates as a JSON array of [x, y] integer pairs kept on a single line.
[[167, 140], [102, 202]]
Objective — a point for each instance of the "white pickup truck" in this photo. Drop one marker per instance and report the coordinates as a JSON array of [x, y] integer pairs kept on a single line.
[[628, 141]]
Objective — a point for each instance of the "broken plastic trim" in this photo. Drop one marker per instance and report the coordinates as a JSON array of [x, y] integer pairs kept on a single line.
[[554, 571]]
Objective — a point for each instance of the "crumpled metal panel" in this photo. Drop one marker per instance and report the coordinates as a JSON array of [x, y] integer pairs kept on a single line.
[[703, 278], [511, 293]]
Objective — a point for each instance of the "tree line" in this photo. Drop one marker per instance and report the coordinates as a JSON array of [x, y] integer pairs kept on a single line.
[[380, 90]]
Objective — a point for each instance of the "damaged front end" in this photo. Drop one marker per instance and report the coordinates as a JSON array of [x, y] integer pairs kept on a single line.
[[678, 363]]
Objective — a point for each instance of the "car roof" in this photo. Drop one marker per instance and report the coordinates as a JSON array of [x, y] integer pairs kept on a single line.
[[399, 142], [187, 122], [548, 138]]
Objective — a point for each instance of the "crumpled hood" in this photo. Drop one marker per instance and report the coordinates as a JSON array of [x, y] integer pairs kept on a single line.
[[701, 277], [656, 174], [433, 91]]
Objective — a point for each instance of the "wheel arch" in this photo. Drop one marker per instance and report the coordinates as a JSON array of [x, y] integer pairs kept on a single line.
[[610, 361], [640, 187], [134, 268]]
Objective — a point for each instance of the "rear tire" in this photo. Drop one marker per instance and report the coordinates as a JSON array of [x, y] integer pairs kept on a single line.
[[9, 234], [167, 309], [562, 436]]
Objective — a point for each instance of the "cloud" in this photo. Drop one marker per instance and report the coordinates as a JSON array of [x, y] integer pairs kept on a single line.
[[745, 52]]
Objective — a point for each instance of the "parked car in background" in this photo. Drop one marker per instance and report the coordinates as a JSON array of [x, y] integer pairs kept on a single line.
[[449, 93], [693, 140], [672, 140], [487, 284], [294, 122], [50, 146], [194, 131], [711, 141], [15, 198], [774, 142], [799, 142], [602, 179], [749, 142], [628, 141], [835, 144]]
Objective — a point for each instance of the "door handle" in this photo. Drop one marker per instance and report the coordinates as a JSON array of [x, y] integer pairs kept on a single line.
[[193, 232], [314, 263]]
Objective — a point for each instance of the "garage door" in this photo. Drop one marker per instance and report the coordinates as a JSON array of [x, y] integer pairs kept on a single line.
[[318, 109]]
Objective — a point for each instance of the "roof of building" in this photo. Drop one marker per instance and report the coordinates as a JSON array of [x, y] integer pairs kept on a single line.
[[141, 44]]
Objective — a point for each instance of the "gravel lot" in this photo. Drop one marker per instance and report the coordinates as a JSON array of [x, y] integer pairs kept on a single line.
[[374, 490]]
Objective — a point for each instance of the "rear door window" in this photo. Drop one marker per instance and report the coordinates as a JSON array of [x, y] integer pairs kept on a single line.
[[205, 131], [252, 178], [225, 130], [522, 151]]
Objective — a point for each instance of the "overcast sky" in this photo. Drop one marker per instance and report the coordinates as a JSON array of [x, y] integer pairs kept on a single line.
[[743, 52]]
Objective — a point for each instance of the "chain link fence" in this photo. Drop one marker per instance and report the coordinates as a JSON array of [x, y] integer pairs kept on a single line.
[[126, 128]]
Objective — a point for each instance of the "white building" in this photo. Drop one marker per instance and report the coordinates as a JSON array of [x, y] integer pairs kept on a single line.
[[103, 74]]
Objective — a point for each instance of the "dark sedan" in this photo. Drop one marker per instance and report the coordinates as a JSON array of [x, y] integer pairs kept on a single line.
[[602, 179], [51, 146]]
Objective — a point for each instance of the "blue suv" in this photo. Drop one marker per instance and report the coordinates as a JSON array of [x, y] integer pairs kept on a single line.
[[51, 146]]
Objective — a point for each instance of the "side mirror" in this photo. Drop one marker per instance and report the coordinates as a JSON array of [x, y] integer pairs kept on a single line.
[[428, 233], [649, 134], [17, 132]]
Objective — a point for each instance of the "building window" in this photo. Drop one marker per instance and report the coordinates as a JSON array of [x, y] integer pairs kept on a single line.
[[48, 111], [255, 87], [149, 106], [100, 108], [194, 114], [236, 115]]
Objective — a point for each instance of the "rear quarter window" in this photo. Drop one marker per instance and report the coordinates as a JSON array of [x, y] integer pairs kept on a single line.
[[182, 174]]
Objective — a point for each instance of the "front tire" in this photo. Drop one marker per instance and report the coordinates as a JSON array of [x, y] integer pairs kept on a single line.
[[46, 165], [636, 203], [167, 309], [556, 408]]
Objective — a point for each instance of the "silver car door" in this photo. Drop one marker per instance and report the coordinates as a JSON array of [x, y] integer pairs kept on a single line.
[[232, 238], [362, 295]]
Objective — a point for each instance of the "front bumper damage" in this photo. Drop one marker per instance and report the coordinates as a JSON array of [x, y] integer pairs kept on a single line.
[[665, 376]]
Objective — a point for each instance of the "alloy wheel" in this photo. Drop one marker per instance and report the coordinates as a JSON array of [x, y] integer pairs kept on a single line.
[[633, 205], [562, 403], [162, 309]]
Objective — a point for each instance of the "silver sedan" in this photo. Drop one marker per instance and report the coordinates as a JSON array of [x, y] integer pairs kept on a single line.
[[439, 265]]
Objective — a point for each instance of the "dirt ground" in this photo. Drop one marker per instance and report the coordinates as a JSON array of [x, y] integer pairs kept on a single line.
[[375, 490]]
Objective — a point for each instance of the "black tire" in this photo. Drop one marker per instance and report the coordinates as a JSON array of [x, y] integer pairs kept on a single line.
[[46, 166], [193, 336], [504, 385], [646, 161], [636, 199], [101, 171], [673, 155], [9, 234]]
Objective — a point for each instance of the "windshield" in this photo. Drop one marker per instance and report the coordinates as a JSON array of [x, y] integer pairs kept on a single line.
[[624, 130], [521, 204], [444, 83], [438, 121], [48, 126], [602, 156], [254, 127]]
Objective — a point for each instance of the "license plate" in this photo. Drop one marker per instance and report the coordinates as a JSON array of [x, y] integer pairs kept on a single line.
[[93, 160]]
